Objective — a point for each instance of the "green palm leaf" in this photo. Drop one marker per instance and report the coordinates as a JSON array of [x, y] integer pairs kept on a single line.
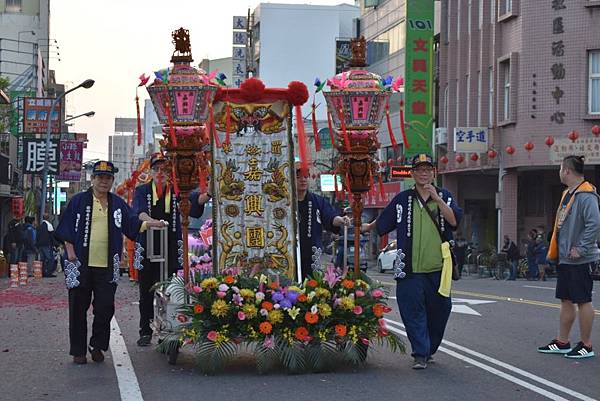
[[292, 357], [266, 358], [212, 357]]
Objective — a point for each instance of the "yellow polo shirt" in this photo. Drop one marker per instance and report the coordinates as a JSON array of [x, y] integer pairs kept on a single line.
[[98, 256]]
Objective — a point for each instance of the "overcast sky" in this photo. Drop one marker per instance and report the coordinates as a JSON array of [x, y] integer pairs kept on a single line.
[[114, 41]]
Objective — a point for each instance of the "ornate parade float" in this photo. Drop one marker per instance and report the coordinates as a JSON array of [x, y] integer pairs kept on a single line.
[[239, 142]]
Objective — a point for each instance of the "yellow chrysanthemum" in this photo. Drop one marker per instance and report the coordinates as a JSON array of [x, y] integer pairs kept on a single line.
[[250, 311], [246, 293], [219, 308], [322, 293], [347, 303], [275, 316], [363, 284], [324, 310], [209, 283]]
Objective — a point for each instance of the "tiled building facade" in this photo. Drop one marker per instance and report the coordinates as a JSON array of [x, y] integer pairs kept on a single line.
[[527, 70]]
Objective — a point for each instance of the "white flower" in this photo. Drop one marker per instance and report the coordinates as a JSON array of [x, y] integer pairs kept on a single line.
[[264, 312], [223, 287], [276, 306], [259, 296], [311, 295], [314, 309]]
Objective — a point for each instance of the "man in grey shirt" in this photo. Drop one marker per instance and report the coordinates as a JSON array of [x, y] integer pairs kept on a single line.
[[574, 246]]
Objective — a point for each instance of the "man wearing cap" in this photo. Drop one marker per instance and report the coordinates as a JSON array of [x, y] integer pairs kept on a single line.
[[156, 200], [314, 214], [92, 228], [419, 261]]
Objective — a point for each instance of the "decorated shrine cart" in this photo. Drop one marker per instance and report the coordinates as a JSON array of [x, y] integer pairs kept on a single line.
[[239, 142]]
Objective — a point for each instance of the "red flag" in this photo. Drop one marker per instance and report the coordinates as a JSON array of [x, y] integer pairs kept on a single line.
[[302, 144]]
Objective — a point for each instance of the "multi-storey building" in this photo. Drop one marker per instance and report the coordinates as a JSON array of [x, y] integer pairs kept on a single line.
[[529, 73]]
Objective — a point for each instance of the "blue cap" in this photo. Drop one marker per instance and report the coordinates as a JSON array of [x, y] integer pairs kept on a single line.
[[104, 167]]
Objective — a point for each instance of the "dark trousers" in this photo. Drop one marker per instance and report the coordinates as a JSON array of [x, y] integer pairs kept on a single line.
[[103, 293], [49, 264], [424, 311], [147, 277]]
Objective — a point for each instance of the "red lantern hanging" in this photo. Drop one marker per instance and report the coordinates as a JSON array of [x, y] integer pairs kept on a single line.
[[460, 158], [474, 157], [549, 141], [596, 130], [573, 135], [492, 154], [17, 207], [510, 150], [444, 159], [390, 162], [529, 146]]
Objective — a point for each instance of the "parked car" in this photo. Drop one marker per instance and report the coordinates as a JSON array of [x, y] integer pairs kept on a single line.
[[385, 260]]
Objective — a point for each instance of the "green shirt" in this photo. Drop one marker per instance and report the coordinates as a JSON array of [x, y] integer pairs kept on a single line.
[[426, 246]]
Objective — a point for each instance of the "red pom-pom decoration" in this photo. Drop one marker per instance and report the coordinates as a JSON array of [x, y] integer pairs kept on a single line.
[[573, 135], [549, 141], [492, 154], [596, 130], [297, 93], [444, 159], [510, 150], [459, 159], [529, 146], [474, 157], [252, 89]]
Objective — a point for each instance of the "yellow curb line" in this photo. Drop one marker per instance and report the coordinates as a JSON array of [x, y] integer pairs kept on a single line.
[[503, 298]]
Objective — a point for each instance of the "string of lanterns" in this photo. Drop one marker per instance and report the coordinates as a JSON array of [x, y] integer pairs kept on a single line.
[[510, 150]]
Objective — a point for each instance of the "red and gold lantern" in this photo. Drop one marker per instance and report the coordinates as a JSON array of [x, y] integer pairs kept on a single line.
[[529, 146], [596, 130], [573, 135], [549, 141], [17, 207], [510, 150], [474, 157], [444, 159], [459, 158], [492, 154]]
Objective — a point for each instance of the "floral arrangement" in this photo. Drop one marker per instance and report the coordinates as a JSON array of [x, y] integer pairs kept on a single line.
[[328, 319]]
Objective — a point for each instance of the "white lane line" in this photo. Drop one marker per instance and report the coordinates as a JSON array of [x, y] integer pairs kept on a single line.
[[128, 383], [540, 287], [504, 365]]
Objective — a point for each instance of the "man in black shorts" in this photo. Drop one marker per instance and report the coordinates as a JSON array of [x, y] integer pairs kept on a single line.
[[574, 247]]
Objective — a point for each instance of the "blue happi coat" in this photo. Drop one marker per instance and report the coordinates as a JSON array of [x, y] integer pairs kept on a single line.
[[398, 215], [75, 227], [142, 203]]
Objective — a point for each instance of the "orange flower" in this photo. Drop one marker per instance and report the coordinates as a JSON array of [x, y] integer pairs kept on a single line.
[[198, 309], [302, 298], [273, 285], [378, 310], [311, 318], [349, 284], [229, 280], [267, 305], [340, 330], [312, 283], [265, 328], [301, 333]]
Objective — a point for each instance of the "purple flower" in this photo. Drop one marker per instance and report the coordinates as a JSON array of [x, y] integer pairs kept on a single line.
[[237, 299], [277, 296], [285, 304], [269, 342], [292, 296]]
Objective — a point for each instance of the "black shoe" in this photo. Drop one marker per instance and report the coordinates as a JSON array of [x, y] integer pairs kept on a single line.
[[97, 355], [580, 351], [555, 347], [420, 363], [430, 359], [80, 360], [144, 340]]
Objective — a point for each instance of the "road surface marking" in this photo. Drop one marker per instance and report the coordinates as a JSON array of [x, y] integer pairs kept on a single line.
[[540, 287], [465, 309], [504, 365], [504, 298], [128, 383]]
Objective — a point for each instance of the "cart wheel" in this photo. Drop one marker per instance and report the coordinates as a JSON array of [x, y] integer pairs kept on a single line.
[[172, 356]]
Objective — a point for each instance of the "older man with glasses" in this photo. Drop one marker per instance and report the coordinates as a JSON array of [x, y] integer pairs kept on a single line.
[[424, 217]]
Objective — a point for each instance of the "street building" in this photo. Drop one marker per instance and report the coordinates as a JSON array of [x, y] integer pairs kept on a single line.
[[123, 150], [519, 90]]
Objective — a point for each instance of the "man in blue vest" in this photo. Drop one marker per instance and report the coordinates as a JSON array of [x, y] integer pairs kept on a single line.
[[419, 215]]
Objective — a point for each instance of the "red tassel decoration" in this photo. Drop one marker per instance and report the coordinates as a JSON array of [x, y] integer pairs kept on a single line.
[[335, 186], [381, 188], [171, 126], [211, 126], [315, 128], [174, 177], [202, 179], [302, 143], [227, 122], [389, 125], [343, 123], [331, 133], [371, 183], [402, 128], [139, 121]]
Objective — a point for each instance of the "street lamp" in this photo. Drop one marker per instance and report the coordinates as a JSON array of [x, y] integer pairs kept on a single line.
[[19, 38], [88, 114], [88, 83]]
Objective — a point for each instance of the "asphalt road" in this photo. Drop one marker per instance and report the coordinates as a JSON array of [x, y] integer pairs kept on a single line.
[[489, 354]]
